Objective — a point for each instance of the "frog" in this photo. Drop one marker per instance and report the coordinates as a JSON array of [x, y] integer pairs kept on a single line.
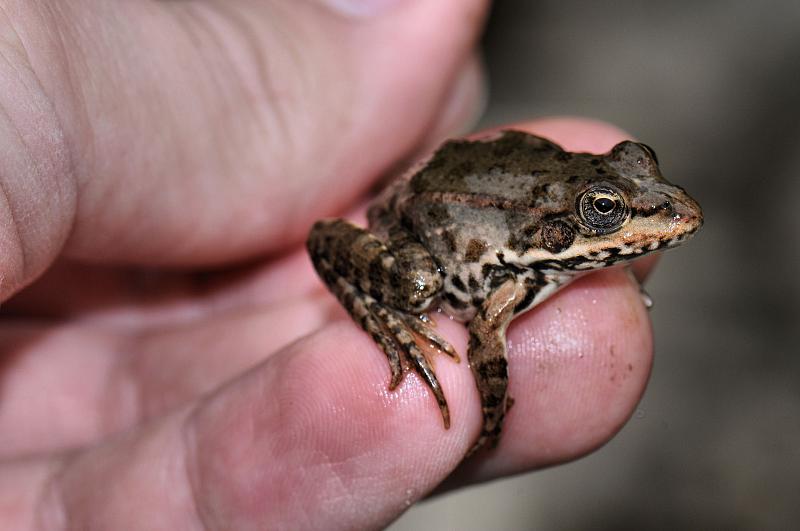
[[484, 230]]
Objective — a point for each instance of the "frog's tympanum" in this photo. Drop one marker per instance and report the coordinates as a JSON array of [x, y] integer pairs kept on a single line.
[[488, 229]]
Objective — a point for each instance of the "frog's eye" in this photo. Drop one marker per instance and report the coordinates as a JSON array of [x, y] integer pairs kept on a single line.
[[602, 209], [603, 205]]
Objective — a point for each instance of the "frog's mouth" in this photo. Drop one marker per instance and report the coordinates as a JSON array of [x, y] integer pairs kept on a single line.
[[668, 218]]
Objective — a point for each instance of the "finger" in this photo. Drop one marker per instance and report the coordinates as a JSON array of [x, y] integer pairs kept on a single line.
[[271, 448], [57, 387], [198, 132], [578, 365], [320, 427], [139, 296], [38, 198], [71, 385], [90, 289], [315, 423], [462, 108]]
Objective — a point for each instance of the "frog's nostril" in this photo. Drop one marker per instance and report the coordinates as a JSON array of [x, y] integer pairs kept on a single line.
[[666, 205]]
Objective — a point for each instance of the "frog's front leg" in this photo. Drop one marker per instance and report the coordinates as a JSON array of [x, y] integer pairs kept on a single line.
[[385, 287], [487, 352]]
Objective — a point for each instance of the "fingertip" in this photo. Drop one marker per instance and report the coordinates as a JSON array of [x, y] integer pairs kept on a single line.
[[577, 134], [644, 266], [578, 366], [317, 422]]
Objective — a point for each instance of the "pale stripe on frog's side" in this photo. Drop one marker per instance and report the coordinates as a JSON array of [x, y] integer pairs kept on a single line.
[[487, 229]]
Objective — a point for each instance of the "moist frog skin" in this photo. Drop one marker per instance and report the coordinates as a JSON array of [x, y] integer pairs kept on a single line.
[[486, 229]]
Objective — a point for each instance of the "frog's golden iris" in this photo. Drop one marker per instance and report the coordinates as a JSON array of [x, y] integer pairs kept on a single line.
[[602, 209]]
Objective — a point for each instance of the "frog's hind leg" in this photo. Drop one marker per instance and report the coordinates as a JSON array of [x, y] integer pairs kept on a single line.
[[385, 288]]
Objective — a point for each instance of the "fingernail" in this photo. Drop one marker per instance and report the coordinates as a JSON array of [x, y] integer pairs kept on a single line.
[[360, 8]]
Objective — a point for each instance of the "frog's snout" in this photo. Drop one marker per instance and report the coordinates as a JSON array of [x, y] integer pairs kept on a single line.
[[686, 212]]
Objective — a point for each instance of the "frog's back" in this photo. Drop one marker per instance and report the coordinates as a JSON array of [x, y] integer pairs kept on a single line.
[[475, 197], [513, 167], [477, 201]]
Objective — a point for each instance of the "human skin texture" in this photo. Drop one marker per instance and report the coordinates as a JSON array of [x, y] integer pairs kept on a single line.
[[168, 357]]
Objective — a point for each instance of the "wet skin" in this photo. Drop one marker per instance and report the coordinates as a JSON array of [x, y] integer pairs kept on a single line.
[[486, 229]]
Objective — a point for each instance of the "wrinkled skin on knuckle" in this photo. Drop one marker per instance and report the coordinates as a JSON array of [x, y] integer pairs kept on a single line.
[[37, 186]]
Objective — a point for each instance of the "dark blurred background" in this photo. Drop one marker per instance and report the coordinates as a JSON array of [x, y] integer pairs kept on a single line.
[[714, 86]]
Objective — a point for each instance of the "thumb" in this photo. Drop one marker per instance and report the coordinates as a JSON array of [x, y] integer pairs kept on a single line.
[[190, 133]]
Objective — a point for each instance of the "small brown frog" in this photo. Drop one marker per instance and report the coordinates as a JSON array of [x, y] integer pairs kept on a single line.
[[487, 229]]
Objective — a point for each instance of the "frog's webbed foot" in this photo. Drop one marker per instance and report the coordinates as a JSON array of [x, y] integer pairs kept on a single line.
[[407, 341]]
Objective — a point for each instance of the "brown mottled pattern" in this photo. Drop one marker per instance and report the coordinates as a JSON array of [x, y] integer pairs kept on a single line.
[[488, 229], [378, 285], [475, 249], [557, 236], [487, 356]]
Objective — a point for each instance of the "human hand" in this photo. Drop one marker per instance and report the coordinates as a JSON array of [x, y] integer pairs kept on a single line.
[[141, 136]]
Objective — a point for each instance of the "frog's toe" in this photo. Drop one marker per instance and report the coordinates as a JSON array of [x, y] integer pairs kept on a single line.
[[423, 327], [403, 342], [423, 367], [388, 344]]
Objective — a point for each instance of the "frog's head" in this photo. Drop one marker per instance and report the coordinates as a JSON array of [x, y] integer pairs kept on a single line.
[[623, 208]]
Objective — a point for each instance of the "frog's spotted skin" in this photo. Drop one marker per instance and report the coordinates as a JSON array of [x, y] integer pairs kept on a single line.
[[486, 230]]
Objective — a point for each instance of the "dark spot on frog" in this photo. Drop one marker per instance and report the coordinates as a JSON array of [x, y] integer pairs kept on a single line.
[[562, 156], [475, 341], [376, 272], [349, 299], [493, 367], [465, 167], [450, 240], [600, 171], [438, 214], [557, 236], [522, 240], [499, 277], [498, 273], [475, 249], [646, 212], [594, 162], [527, 300], [491, 401], [572, 179], [458, 284], [454, 301], [539, 195], [474, 285]]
